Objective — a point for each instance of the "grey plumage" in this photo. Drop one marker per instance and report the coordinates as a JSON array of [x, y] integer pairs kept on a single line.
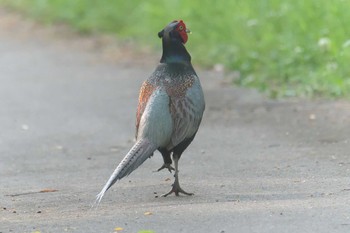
[[142, 150]]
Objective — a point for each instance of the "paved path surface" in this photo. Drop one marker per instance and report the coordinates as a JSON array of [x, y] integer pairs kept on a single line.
[[67, 118]]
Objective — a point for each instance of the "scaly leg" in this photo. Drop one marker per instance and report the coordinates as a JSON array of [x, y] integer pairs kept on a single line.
[[176, 185], [167, 160]]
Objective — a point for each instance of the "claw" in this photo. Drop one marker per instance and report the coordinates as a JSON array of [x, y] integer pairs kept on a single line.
[[177, 189], [166, 165]]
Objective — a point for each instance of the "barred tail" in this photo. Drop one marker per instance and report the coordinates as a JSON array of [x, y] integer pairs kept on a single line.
[[142, 150]]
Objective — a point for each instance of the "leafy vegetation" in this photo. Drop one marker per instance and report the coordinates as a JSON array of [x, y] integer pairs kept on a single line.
[[283, 48]]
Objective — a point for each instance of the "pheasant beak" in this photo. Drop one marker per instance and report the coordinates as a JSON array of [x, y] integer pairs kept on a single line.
[[188, 31]]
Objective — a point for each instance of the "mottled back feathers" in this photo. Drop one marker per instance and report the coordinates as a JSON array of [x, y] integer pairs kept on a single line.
[[186, 101]]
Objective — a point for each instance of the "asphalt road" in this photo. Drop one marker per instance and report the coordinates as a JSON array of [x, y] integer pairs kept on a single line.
[[67, 114]]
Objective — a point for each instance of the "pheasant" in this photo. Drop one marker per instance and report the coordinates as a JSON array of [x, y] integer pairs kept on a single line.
[[169, 112]]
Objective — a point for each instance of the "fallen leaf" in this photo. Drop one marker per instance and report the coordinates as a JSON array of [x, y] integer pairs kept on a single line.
[[118, 229], [167, 179], [36, 192], [48, 190], [147, 213]]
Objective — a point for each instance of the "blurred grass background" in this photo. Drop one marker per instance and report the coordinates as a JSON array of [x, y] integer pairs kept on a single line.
[[282, 48]]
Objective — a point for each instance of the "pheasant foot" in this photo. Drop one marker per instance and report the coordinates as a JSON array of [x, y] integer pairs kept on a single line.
[[166, 165], [177, 189]]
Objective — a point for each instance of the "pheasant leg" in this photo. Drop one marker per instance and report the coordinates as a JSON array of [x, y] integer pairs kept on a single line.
[[176, 185]]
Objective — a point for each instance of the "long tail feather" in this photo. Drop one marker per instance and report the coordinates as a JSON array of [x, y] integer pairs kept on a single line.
[[142, 150]]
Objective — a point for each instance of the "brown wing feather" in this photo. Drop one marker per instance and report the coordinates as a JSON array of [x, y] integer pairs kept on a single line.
[[145, 93]]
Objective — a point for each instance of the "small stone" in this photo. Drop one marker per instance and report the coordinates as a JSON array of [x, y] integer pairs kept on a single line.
[[219, 67], [59, 147], [25, 127], [312, 117], [114, 149]]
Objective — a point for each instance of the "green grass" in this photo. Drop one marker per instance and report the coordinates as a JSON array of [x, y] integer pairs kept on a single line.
[[283, 48]]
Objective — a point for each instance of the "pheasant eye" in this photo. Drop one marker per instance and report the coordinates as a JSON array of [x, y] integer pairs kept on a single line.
[[181, 27]]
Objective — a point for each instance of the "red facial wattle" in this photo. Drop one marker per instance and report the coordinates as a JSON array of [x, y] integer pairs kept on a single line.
[[181, 28]]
